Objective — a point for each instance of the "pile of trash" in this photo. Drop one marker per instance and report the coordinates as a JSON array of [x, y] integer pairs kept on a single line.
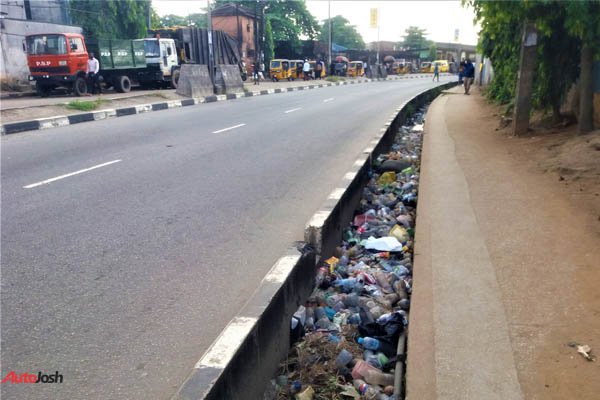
[[347, 335]]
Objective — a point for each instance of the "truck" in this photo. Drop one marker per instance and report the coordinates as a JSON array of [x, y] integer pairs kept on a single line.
[[162, 63], [60, 60]]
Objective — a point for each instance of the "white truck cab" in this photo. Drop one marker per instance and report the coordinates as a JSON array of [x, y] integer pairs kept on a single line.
[[162, 61]]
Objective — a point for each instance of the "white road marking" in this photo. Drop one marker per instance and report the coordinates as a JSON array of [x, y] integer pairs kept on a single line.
[[293, 109], [328, 100], [81, 171], [228, 129]]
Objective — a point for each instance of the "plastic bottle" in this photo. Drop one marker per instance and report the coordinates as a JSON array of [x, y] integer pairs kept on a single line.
[[322, 277], [376, 377], [377, 345], [319, 313], [378, 360], [343, 358], [369, 343], [366, 390], [360, 369]]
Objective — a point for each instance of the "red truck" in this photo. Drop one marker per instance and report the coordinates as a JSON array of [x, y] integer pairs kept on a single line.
[[60, 60]]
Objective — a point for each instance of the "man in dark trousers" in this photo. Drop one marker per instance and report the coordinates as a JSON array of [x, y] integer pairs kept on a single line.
[[469, 75], [92, 75]]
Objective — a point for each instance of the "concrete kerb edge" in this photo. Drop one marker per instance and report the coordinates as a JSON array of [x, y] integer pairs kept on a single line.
[[246, 354], [59, 121]]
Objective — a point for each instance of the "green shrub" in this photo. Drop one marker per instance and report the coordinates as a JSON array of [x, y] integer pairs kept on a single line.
[[85, 105]]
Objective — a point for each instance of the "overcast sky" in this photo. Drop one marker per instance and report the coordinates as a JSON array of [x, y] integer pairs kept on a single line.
[[439, 18]]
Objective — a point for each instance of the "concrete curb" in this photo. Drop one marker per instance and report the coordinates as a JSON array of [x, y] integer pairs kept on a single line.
[[247, 353], [58, 121]]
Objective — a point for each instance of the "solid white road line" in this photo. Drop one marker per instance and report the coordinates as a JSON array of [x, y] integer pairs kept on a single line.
[[81, 171], [228, 129], [293, 109], [328, 100]]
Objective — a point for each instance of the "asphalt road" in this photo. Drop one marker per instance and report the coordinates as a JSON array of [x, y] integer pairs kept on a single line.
[[120, 276]]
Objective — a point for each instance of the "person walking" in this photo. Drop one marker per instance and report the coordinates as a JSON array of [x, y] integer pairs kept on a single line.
[[469, 75], [318, 69], [436, 72], [93, 78], [261, 71], [306, 70], [255, 71]]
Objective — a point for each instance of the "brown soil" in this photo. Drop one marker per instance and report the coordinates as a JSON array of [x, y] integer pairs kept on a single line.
[[544, 241], [562, 153]]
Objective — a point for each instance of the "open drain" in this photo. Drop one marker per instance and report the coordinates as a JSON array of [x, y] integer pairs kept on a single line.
[[348, 340]]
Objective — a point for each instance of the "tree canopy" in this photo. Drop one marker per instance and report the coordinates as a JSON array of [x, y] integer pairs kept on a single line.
[[289, 19], [565, 30], [199, 20], [415, 39], [117, 19], [342, 33]]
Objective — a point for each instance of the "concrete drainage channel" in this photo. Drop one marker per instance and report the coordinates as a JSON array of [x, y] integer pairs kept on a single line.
[[244, 359]]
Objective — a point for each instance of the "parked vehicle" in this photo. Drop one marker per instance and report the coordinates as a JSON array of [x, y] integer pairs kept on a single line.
[[426, 67], [60, 60], [162, 63], [443, 65], [280, 70], [296, 69], [355, 69]]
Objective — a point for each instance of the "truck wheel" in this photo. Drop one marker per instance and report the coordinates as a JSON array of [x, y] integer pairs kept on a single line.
[[80, 86], [42, 90], [123, 84], [175, 79]]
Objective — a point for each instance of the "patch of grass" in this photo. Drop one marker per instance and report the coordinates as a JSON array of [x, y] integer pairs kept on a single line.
[[83, 105], [334, 78]]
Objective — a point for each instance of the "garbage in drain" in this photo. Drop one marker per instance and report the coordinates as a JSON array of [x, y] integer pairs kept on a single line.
[[358, 311]]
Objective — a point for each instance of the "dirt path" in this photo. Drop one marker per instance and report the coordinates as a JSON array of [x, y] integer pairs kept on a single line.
[[537, 202]]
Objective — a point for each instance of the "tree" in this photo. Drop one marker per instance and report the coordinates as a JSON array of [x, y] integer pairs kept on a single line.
[[564, 31], [199, 20], [583, 22], [415, 39], [432, 51], [342, 33], [289, 19], [269, 47], [117, 19]]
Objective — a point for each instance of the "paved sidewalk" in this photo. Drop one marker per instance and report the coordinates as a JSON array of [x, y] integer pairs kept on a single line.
[[505, 275]]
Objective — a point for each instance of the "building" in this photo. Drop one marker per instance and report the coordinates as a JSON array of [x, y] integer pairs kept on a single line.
[[455, 51], [19, 18], [240, 23], [383, 46]]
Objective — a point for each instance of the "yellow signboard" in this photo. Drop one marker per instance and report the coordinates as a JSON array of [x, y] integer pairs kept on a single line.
[[374, 18]]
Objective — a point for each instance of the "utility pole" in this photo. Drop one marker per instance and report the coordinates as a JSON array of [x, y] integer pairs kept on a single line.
[[211, 56], [256, 43], [525, 80], [149, 17], [329, 20]]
